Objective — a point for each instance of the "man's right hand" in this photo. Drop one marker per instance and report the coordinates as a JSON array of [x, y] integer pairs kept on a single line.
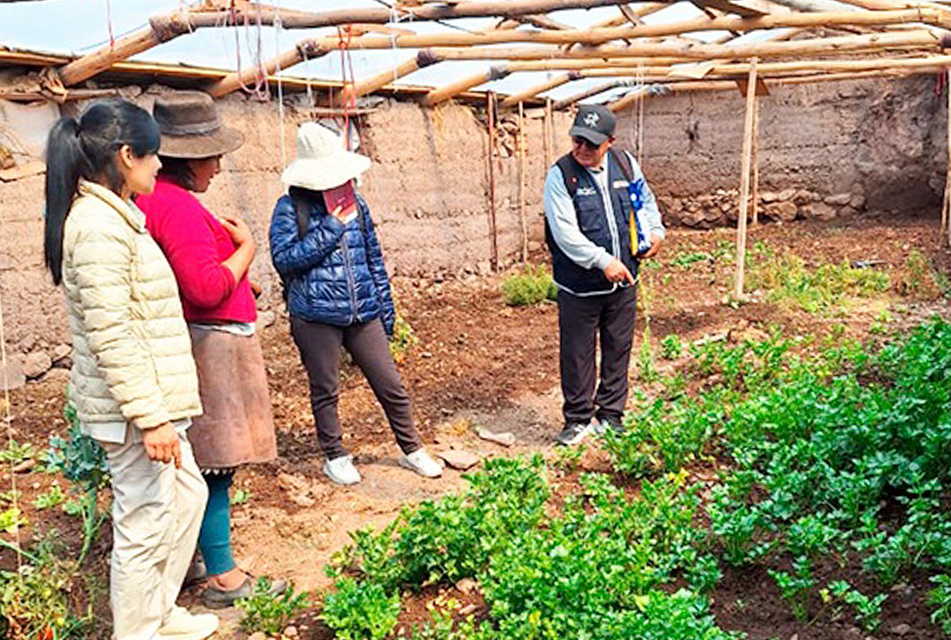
[[617, 272], [163, 445]]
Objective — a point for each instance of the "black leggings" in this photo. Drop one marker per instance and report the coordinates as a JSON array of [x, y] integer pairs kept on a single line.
[[319, 346]]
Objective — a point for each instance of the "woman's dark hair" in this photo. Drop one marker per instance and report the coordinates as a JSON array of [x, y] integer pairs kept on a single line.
[[179, 170], [86, 148]]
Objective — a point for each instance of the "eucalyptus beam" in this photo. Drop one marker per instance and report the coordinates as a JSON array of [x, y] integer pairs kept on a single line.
[[442, 11], [528, 94], [234, 81], [421, 60], [443, 94], [161, 29], [814, 66], [917, 39], [166, 27], [595, 37], [567, 102]]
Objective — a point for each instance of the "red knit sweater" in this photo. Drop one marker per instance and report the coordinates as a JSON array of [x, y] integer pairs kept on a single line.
[[196, 245]]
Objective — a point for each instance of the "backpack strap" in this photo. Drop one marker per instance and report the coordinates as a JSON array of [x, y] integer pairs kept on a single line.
[[624, 161], [302, 209]]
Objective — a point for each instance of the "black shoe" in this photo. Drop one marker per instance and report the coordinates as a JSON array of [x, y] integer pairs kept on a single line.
[[573, 433]]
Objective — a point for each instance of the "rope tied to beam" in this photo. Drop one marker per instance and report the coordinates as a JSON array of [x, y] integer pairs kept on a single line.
[[261, 89]]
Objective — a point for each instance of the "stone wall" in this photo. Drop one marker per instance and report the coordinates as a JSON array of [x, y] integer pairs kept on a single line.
[[826, 149]]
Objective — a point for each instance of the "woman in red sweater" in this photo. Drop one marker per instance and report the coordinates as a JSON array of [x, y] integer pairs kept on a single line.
[[210, 257]]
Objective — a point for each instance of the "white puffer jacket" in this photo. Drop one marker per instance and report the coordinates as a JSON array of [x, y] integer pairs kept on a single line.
[[132, 357]]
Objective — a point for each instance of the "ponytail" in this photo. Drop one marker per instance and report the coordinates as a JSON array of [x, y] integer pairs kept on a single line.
[[64, 166], [86, 149]]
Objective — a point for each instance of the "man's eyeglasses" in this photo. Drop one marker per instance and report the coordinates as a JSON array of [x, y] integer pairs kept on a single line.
[[584, 142]]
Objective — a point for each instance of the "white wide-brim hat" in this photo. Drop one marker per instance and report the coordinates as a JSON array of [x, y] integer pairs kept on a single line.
[[322, 163]]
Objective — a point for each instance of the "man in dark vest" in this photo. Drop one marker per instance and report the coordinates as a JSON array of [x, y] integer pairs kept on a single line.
[[601, 221]]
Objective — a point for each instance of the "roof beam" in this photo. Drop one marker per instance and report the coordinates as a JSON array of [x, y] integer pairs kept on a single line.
[[442, 94], [594, 37], [584, 95], [917, 39], [530, 93], [421, 60], [166, 27]]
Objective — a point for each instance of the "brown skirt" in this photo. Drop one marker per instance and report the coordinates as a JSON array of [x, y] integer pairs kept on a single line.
[[237, 426]]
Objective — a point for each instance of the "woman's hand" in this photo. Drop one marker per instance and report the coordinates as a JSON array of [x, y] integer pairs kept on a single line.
[[238, 230], [163, 445]]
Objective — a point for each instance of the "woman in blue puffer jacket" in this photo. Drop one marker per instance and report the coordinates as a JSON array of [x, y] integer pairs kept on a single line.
[[325, 249]]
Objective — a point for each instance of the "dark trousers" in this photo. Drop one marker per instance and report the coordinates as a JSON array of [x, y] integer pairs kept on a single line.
[[582, 321], [319, 346]]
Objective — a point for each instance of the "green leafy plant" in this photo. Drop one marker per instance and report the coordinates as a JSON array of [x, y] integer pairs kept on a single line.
[[83, 462], [868, 611], [52, 498], [671, 347], [533, 285], [17, 452], [403, 338], [35, 601], [268, 611], [360, 610], [795, 586], [940, 599], [240, 496], [11, 520]]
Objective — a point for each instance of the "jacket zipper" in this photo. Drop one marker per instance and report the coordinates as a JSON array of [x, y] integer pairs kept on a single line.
[[345, 247]]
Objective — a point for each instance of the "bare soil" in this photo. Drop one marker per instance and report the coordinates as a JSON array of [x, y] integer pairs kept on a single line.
[[480, 364]]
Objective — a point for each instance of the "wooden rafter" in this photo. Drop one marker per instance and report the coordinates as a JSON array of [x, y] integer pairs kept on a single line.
[[548, 85], [442, 94]]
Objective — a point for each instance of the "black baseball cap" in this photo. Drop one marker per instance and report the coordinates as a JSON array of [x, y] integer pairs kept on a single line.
[[594, 122]]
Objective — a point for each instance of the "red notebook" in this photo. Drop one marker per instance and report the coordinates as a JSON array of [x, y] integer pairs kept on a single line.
[[343, 197]]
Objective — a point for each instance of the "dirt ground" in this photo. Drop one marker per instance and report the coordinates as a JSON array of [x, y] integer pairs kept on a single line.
[[480, 364]]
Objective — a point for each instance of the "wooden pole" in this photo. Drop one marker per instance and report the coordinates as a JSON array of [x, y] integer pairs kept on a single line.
[[528, 94], [442, 94], [755, 159], [234, 81], [547, 134], [490, 158], [914, 39], [745, 181], [521, 180], [161, 29], [421, 60], [596, 37], [946, 203], [567, 102]]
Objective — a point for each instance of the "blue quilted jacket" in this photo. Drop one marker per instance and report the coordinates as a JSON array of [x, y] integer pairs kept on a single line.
[[335, 273]]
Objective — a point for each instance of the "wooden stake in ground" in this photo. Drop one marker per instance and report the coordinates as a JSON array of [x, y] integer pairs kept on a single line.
[[946, 204], [490, 159], [755, 161], [547, 141], [521, 180], [745, 180]]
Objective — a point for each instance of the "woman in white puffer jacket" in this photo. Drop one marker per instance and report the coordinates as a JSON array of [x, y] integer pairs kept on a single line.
[[133, 381]]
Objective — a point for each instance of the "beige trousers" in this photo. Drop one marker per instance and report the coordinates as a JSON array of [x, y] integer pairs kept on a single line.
[[156, 516]]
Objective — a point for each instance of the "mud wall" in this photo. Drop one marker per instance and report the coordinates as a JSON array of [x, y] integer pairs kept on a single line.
[[826, 150], [427, 189]]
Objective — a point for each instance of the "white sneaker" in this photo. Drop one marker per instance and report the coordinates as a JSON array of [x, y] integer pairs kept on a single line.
[[341, 470], [422, 463], [183, 625]]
